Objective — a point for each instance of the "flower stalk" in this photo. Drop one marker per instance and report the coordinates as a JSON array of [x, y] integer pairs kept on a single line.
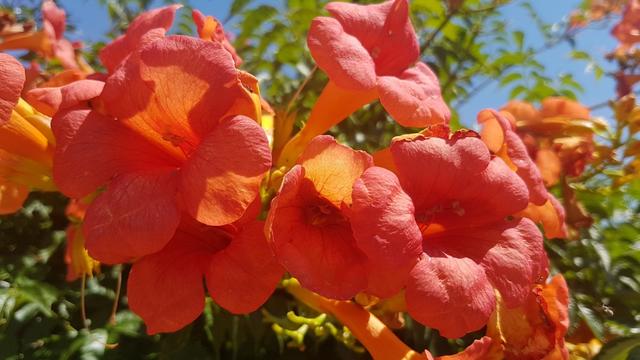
[[379, 340]]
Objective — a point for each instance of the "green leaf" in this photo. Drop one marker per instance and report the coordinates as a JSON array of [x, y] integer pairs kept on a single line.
[[237, 6], [592, 320], [289, 54], [510, 78], [580, 55], [37, 293], [518, 37], [620, 349], [602, 252], [516, 91], [598, 71]]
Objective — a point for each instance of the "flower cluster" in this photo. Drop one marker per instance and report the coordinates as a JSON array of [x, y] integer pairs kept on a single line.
[[165, 157], [559, 136], [595, 10], [626, 31], [48, 41]]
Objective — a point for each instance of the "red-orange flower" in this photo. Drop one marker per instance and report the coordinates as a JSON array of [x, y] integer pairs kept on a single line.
[[457, 203], [374, 48], [173, 130], [310, 230], [240, 272], [627, 30], [534, 330], [595, 10], [369, 52]]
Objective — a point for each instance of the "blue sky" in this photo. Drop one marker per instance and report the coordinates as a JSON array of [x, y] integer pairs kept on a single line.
[[92, 21]]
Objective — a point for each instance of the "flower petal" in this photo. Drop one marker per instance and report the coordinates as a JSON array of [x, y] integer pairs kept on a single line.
[[12, 196], [55, 16], [64, 77], [48, 100], [385, 229], [244, 274], [510, 252], [341, 55], [65, 53], [522, 111], [551, 216], [457, 183], [561, 106], [384, 30], [92, 148], [333, 168], [535, 330], [144, 29], [165, 289], [12, 77], [450, 294], [517, 261], [549, 164], [137, 215], [176, 92], [209, 28], [223, 176], [556, 295], [413, 97], [518, 155], [444, 161], [559, 230], [491, 132], [365, 22]]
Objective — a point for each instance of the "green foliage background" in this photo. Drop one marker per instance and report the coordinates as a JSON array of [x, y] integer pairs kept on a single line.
[[469, 48]]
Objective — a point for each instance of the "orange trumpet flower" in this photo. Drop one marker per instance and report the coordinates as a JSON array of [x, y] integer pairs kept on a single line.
[[188, 143], [369, 52]]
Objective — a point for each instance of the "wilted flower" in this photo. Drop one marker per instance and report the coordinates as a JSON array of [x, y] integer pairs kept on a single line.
[[78, 261], [535, 330]]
